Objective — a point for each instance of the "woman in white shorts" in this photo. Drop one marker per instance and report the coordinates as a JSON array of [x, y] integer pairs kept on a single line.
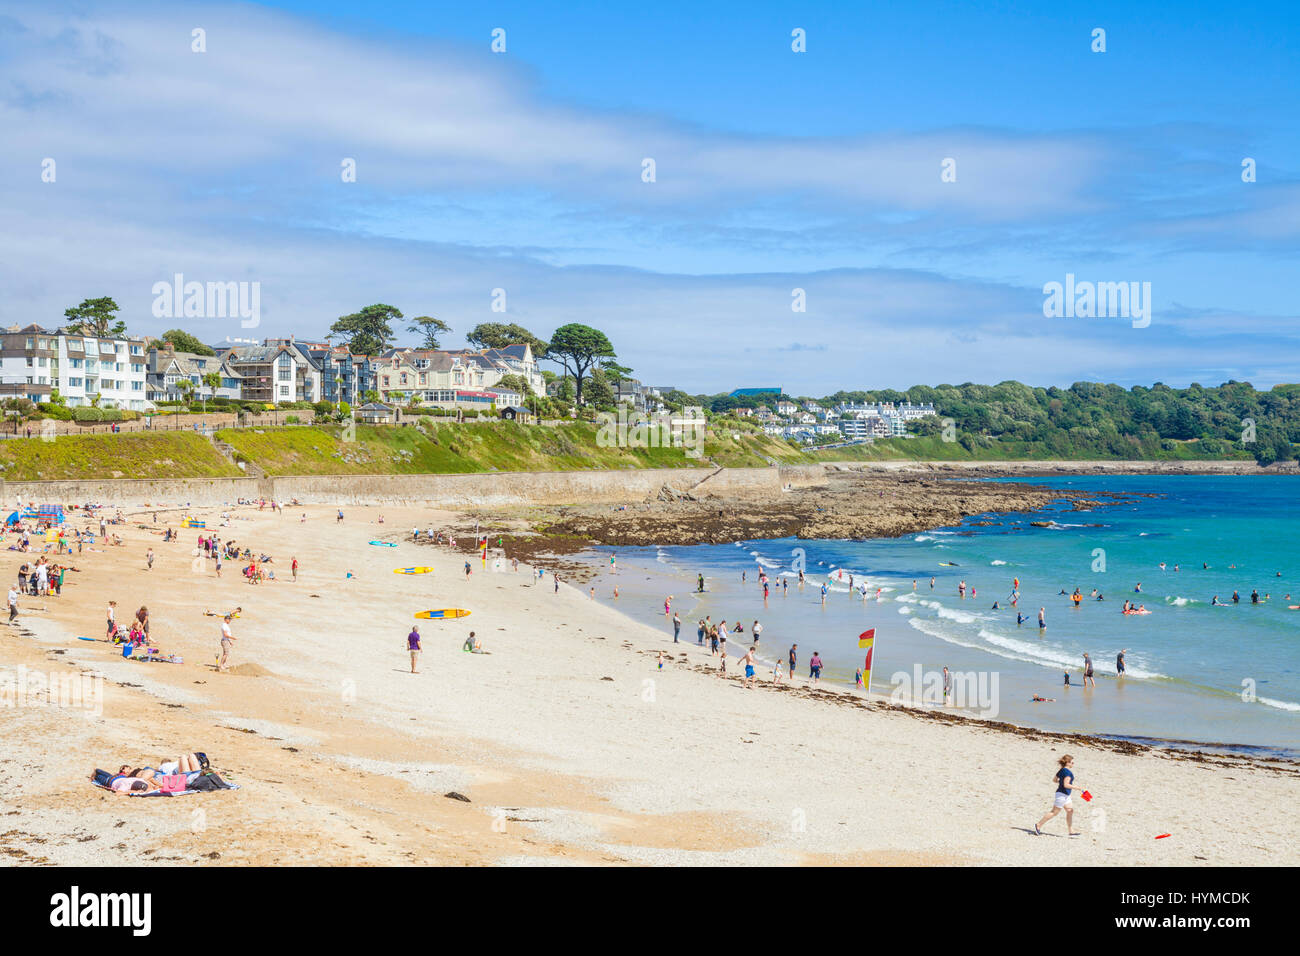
[[1065, 785]]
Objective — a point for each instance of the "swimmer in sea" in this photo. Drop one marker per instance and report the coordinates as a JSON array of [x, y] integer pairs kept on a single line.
[[1043, 700]]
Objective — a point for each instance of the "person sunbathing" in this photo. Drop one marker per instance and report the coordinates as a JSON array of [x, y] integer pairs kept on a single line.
[[185, 763]]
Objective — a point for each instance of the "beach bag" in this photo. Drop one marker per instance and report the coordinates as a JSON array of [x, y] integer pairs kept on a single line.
[[172, 783], [209, 780]]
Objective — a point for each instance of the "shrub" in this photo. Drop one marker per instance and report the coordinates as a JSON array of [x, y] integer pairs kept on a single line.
[[291, 419], [111, 414], [87, 413]]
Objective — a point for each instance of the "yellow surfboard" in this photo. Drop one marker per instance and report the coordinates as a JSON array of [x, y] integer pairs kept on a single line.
[[441, 613], [412, 570]]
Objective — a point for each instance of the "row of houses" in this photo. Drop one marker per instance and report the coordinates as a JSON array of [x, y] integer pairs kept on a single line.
[[810, 420], [135, 373]]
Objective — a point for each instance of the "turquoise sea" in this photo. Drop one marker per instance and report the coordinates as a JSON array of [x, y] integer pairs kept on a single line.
[[1228, 676]]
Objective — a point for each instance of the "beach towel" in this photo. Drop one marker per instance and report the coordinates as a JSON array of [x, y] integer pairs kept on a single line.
[[102, 777]]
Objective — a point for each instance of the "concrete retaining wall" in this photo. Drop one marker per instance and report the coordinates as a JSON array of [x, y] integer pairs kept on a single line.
[[448, 491]]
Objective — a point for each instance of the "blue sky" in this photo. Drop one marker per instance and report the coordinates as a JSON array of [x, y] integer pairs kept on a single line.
[[775, 170]]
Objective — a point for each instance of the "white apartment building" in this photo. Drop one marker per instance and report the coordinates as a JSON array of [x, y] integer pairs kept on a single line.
[[34, 362]]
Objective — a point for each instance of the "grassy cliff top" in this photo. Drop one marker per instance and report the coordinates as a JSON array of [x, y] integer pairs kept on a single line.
[[122, 455]]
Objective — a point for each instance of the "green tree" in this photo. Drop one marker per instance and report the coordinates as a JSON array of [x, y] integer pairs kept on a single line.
[[369, 331], [598, 392], [497, 335], [182, 341], [97, 317], [429, 329], [577, 348], [213, 381], [516, 383], [615, 372]]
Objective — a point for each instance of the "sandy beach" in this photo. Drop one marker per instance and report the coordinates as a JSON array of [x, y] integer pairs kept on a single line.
[[568, 742]]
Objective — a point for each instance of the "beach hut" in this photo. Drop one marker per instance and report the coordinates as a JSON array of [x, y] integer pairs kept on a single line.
[[516, 413]]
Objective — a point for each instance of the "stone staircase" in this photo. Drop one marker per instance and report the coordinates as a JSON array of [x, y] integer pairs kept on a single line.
[[228, 452]]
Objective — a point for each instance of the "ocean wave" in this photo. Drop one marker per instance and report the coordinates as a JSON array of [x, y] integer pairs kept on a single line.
[[923, 537], [904, 610], [996, 563], [1058, 658], [961, 617], [1279, 704]]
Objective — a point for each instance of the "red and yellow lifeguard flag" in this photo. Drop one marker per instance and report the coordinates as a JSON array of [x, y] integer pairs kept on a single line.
[[867, 639]]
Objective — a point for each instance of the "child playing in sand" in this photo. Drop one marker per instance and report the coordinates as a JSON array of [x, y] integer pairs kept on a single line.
[[1065, 785]]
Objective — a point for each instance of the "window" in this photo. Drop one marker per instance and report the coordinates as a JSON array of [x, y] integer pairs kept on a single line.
[[41, 361], [75, 382], [31, 342], [137, 386], [74, 345], [30, 362], [284, 391], [137, 350], [42, 343]]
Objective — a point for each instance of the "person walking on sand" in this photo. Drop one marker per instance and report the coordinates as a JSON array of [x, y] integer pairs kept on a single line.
[[947, 688], [227, 640], [13, 603], [1065, 786], [815, 667], [677, 627], [793, 659], [748, 661], [294, 568], [1088, 677], [413, 646], [148, 559], [468, 570]]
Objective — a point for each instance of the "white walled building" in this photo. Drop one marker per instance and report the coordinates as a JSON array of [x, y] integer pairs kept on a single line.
[[34, 362]]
